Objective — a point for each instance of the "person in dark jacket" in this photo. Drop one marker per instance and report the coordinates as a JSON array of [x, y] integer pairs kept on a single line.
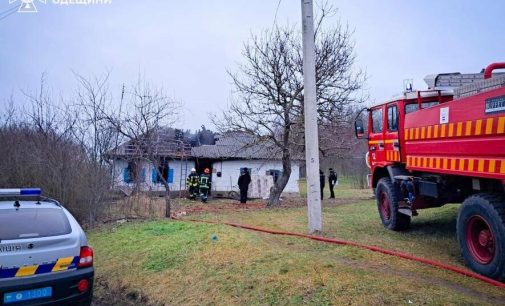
[[243, 184], [322, 178], [332, 180]]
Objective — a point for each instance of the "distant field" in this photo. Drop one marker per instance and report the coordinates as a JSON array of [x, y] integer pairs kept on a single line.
[[185, 263]]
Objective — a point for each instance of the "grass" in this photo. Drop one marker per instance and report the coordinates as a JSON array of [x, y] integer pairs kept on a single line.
[[179, 263], [344, 190]]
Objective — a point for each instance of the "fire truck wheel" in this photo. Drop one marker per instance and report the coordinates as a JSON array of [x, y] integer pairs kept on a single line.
[[387, 204], [481, 234]]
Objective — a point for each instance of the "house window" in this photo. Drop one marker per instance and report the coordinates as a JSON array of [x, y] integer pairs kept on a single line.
[[133, 173], [130, 172], [246, 169], [166, 172], [377, 120], [275, 173]]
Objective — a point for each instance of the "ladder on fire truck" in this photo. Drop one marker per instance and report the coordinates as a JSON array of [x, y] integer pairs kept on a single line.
[[464, 84]]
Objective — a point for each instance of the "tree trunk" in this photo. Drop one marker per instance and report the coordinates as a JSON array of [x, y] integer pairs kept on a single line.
[[276, 190], [168, 204]]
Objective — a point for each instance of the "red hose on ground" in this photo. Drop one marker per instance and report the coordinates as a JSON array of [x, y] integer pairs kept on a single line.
[[362, 246]]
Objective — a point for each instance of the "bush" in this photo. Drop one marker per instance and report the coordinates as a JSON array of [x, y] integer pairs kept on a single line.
[[55, 163]]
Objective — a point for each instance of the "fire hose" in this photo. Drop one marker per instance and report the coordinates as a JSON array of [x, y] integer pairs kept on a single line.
[[425, 261]]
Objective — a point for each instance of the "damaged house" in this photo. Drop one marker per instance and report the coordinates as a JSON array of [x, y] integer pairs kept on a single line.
[[225, 156]]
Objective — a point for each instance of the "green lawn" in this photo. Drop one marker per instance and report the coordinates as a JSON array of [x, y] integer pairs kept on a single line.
[[344, 190], [179, 263]]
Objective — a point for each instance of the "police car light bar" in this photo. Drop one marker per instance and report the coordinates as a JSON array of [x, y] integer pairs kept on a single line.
[[21, 192]]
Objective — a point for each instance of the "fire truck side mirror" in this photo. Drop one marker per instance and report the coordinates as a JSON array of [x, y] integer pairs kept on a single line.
[[359, 129]]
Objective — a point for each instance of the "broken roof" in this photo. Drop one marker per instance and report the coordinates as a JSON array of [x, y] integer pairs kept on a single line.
[[231, 145], [238, 146]]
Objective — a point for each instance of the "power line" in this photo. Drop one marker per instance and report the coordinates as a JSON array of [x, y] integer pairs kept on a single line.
[[8, 12], [2, 18]]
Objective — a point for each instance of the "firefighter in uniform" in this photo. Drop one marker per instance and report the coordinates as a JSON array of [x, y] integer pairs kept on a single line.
[[192, 182], [205, 185]]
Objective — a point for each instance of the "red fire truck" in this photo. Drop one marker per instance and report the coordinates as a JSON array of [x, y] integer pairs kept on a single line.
[[445, 145]]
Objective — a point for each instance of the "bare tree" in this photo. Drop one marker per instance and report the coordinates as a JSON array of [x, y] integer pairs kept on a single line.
[[39, 149], [8, 114], [92, 130], [268, 101], [46, 115], [146, 112], [95, 135]]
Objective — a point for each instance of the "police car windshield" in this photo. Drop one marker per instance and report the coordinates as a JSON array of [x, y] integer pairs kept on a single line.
[[26, 223]]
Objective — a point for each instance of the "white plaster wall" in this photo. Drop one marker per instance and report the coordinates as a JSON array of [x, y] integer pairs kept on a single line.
[[120, 165], [230, 170], [228, 181]]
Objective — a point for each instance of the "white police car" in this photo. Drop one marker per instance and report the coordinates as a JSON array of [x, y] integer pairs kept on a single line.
[[44, 256]]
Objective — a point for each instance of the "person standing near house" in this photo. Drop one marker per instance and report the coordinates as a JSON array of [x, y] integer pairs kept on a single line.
[[321, 181], [243, 184], [205, 185], [332, 180], [192, 182]]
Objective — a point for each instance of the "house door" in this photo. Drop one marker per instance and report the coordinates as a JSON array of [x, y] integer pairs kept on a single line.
[[201, 165]]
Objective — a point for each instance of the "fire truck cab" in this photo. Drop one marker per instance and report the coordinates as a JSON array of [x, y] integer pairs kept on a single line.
[[444, 145]]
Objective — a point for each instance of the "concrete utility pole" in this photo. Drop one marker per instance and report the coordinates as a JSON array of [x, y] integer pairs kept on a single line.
[[310, 108]]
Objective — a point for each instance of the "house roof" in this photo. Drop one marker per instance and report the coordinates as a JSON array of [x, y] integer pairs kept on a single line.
[[227, 146], [166, 143], [238, 146]]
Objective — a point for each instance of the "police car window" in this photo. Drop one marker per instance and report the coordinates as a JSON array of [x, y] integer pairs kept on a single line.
[[392, 118], [33, 223], [377, 120]]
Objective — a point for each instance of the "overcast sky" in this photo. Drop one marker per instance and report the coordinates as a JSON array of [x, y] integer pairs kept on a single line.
[[187, 46]]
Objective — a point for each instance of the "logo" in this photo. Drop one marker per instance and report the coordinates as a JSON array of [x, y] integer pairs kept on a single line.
[[27, 6]]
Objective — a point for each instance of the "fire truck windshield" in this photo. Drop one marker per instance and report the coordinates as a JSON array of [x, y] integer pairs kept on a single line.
[[409, 108]]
